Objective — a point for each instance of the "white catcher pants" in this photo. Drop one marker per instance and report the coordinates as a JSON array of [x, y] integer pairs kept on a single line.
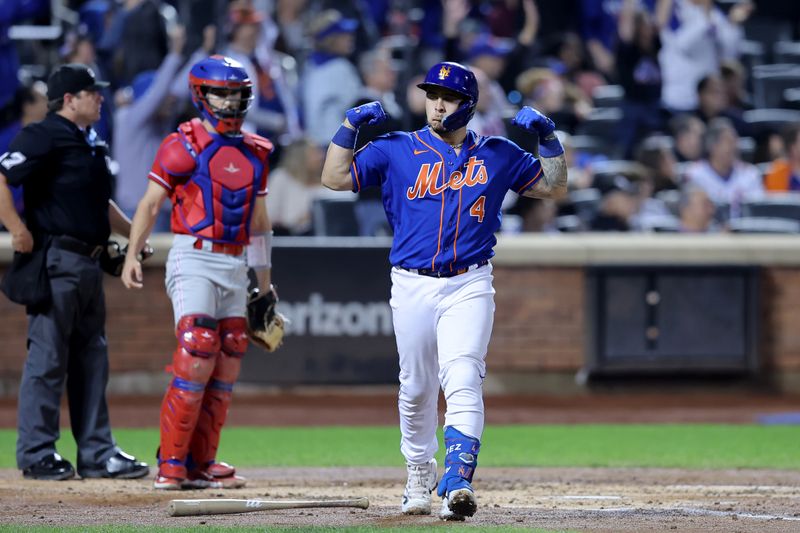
[[443, 327]]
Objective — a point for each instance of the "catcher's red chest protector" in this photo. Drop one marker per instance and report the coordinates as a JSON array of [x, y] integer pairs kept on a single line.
[[216, 202]]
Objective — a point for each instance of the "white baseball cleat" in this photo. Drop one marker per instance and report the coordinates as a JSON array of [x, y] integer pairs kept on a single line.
[[458, 505], [420, 484]]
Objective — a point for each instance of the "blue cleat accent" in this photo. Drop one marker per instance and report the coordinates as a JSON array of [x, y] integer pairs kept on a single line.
[[460, 461]]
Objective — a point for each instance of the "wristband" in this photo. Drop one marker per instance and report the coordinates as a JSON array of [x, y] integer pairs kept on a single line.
[[550, 146], [345, 137], [259, 251]]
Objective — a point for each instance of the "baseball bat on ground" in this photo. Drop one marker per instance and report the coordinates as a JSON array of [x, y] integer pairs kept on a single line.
[[230, 506]]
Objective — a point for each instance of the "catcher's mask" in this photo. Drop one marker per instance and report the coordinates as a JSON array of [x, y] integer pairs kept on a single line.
[[459, 79], [222, 92]]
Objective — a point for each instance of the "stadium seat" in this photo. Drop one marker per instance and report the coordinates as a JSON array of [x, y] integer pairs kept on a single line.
[[671, 199], [590, 144], [612, 167], [770, 81], [786, 52], [767, 30], [608, 96], [334, 217], [661, 224], [763, 225], [600, 122], [570, 224], [766, 121], [778, 205], [747, 149], [751, 54], [791, 98]]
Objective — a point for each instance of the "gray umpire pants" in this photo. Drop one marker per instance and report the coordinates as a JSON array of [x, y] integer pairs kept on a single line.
[[67, 346]]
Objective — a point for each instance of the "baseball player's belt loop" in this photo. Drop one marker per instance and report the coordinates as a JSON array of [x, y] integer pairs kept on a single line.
[[71, 244], [445, 274], [218, 247]]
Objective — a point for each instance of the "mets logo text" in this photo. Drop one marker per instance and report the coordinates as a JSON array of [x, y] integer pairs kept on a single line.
[[474, 174], [444, 72]]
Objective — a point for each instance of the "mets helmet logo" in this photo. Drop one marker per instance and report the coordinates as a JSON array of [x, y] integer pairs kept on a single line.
[[444, 72]]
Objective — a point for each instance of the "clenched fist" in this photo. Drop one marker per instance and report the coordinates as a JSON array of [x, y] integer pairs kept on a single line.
[[371, 113]]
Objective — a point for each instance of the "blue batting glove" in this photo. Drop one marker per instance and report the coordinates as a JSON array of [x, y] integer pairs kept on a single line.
[[530, 119], [371, 113]]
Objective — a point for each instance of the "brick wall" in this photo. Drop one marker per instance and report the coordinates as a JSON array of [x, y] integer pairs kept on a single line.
[[539, 324]]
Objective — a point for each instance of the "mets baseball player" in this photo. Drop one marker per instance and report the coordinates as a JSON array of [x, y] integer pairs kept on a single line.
[[216, 177], [442, 188]]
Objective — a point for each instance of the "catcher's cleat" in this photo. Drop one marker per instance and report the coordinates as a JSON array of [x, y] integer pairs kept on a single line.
[[214, 476], [417, 495], [458, 505], [167, 483]]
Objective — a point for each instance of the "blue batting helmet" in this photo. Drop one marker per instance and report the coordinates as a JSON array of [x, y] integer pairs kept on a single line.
[[457, 78], [223, 75]]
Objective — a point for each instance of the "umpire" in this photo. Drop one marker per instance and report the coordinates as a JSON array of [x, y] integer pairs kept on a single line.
[[63, 168]]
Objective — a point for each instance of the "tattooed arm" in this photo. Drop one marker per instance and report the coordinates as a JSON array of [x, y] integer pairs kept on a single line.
[[553, 183]]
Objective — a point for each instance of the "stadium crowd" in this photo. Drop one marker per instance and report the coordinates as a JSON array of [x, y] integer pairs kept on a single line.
[[676, 115]]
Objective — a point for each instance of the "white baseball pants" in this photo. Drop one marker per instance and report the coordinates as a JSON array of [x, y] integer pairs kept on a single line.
[[443, 327]]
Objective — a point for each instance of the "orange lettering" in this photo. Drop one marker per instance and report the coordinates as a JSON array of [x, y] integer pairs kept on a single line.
[[426, 182], [457, 180], [478, 208]]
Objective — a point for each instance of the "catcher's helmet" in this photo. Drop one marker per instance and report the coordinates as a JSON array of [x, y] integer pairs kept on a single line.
[[220, 73], [457, 78]]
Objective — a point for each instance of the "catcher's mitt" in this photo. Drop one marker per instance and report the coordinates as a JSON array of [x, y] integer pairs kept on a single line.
[[265, 325]]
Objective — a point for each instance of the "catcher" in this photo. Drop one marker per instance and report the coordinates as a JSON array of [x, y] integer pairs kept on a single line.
[[216, 177]]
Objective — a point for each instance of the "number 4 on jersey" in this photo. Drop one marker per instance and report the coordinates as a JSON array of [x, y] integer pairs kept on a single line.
[[477, 209]]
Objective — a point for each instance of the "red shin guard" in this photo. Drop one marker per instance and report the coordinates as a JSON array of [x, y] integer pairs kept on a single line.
[[218, 393], [193, 364]]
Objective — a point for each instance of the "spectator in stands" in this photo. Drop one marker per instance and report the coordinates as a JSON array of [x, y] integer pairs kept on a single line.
[[567, 58], [722, 175], [330, 83], [695, 42], [639, 75], [544, 90], [618, 206], [713, 102], [492, 107], [656, 153], [145, 114], [28, 105], [600, 30], [688, 132], [734, 77], [136, 40], [292, 26], [11, 12], [696, 212], [379, 72], [293, 185], [784, 174], [274, 113], [79, 48], [415, 104], [537, 215]]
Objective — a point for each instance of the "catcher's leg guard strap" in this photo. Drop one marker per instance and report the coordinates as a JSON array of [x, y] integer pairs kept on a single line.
[[460, 460], [193, 363], [219, 392]]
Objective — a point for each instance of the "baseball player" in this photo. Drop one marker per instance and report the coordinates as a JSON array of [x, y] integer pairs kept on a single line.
[[216, 177], [442, 187]]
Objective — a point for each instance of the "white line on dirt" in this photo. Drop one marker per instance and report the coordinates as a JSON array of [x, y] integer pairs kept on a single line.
[[698, 512]]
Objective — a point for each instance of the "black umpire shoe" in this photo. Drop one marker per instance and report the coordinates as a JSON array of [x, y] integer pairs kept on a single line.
[[119, 466], [51, 467]]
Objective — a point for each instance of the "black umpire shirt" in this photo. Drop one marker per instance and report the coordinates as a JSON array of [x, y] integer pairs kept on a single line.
[[65, 177]]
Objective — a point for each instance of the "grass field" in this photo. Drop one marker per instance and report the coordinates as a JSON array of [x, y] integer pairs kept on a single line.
[[607, 445]]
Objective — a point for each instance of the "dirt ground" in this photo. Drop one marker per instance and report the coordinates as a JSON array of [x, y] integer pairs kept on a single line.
[[577, 499]]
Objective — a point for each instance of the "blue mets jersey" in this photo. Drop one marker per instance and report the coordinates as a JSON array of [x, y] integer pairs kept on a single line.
[[444, 208]]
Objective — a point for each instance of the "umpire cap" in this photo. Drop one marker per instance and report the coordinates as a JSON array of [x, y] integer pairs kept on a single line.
[[72, 78]]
